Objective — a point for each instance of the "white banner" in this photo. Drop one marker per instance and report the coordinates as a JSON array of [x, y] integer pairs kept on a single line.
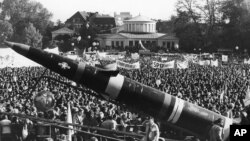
[[191, 58], [224, 58], [135, 56], [182, 65], [53, 50], [204, 62], [246, 61], [164, 58], [128, 66], [106, 56], [215, 63], [159, 65]]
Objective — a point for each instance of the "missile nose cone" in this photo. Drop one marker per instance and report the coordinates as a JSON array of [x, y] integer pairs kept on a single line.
[[19, 48], [10, 44]]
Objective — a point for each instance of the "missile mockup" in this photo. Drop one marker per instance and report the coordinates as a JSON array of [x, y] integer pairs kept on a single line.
[[162, 106]]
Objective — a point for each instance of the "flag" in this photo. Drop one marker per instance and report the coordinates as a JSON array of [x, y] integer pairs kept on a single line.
[[69, 120], [182, 65], [164, 58], [247, 98], [137, 65], [224, 58], [215, 63], [135, 56], [142, 45], [223, 93], [158, 82]]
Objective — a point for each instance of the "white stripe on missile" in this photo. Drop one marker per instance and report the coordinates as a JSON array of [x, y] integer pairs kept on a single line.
[[176, 113], [114, 86], [165, 105], [179, 111], [79, 72], [174, 109]]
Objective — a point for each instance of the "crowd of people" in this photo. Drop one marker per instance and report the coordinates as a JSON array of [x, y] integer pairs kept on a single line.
[[201, 85]]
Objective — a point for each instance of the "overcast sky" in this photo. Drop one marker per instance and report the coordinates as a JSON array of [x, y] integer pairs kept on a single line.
[[156, 9]]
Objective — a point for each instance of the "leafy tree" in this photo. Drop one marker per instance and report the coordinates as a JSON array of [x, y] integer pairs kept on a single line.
[[32, 36], [6, 30], [22, 12], [64, 42], [212, 24], [88, 34]]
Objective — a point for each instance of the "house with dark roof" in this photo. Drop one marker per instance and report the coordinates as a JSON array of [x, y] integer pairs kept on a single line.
[[103, 23], [76, 21]]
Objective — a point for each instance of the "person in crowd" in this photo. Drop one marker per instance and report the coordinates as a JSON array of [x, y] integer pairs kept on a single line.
[[5, 125], [216, 132], [152, 131]]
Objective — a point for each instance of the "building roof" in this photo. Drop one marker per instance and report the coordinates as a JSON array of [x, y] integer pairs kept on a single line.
[[104, 20], [63, 30], [84, 14], [142, 36], [140, 18], [160, 36]]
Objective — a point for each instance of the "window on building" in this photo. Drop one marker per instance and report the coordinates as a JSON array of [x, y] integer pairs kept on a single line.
[[117, 43], [122, 44], [130, 43], [154, 42], [163, 43], [136, 43], [168, 44], [172, 44], [112, 43]]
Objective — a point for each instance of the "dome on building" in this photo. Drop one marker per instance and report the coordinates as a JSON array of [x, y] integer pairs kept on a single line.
[[140, 24], [140, 18]]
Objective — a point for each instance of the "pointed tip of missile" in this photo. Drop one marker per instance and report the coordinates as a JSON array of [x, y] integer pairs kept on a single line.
[[18, 47], [9, 44]]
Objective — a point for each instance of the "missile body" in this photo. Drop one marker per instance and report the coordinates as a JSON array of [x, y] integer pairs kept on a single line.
[[162, 106]]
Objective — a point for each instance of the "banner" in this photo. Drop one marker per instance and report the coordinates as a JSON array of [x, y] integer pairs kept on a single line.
[[215, 63], [246, 61], [159, 65], [108, 57], [53, 50], [164, 58], [128, 66], [135, 56], [247, 97], [110, 67], [182, 65], [224, 58], [191, 58], [204, 62]]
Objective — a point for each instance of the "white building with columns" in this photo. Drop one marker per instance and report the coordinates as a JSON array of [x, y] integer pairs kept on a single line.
[[139, 28], [140, 24]]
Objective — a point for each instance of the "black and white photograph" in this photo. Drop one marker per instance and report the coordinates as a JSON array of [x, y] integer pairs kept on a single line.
[[124, 70]]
